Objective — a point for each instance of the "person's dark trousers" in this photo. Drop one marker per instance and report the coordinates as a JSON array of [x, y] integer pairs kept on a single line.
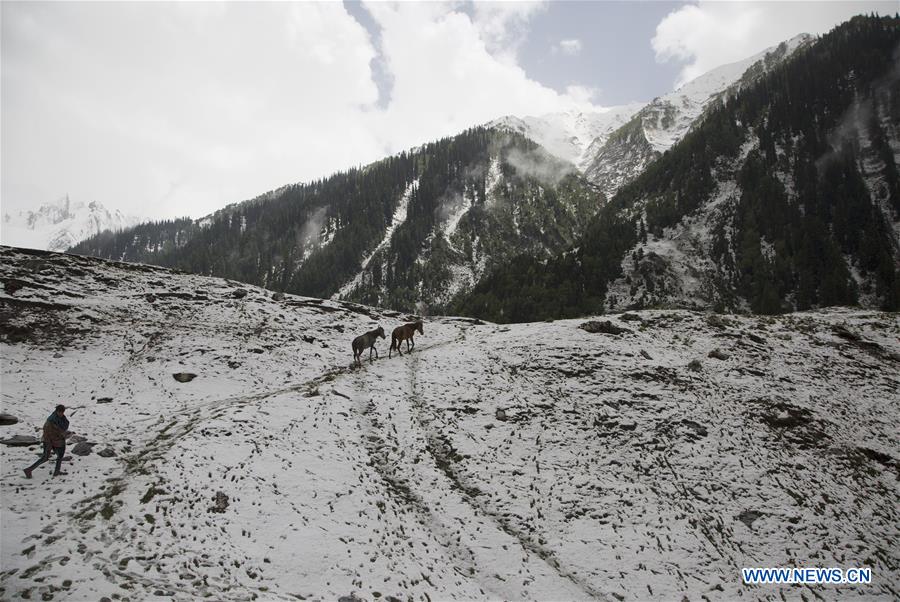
[[60, 451]]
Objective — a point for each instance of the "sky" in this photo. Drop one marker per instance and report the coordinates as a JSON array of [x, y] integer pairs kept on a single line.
[[165, 109]]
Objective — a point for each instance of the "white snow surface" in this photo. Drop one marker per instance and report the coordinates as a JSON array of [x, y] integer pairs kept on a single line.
[[613, 472], [60, 225]]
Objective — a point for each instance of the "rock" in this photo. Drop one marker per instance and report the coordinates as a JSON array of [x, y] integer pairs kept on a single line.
[[106, 452], [698, 429], [756, 339], [279, 296], [104, 400], [717, 321], [239, 293], [628, 426], [150, 297], [500, 414], [748, 517], [221, 503], [351, 598], [695, 365], [606, 327], [845, 333], [630, 317], [7, 419], [645, 355], [83, 448], [20, 440], [184, 377], [57, 355], [76, 438], [718, 354], [233, 364]]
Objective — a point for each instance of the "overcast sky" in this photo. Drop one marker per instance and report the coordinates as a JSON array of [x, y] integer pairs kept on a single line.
[[168, 109]]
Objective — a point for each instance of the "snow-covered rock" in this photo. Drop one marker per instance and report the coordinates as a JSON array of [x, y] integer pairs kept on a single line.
[[615, 472], [60, 225]]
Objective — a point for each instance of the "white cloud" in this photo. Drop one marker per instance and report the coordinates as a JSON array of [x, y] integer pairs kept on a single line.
[[708, 34], [503, 25], [165, 109], [570, 47]]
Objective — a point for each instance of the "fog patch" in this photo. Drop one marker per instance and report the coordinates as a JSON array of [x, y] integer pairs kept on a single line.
[[848, 130], [311, 234], [539, 165]]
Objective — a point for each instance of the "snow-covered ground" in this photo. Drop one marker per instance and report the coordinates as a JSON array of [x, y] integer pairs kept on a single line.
[[531, 461]]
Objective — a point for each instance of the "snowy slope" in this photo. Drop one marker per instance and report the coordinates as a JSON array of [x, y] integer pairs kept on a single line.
[[60, 225], [532, 461]]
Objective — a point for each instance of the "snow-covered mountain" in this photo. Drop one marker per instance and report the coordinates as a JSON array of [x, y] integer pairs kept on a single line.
[[60, 225], [570, 134], [663, 122], [408, 232], [532, 461], [613, 145]]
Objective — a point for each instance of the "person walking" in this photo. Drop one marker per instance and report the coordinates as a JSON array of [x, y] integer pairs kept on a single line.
[[54, 440]]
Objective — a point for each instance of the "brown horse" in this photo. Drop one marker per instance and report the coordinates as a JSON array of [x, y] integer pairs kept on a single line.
[[366, 341], [405, 333]]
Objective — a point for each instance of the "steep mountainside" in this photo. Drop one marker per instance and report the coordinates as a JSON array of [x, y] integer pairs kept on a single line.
[[785, 197], [60, 225], [620, 157], [534, 461], [408, 232]]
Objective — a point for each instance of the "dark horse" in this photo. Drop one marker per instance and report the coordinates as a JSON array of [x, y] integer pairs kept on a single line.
[[405, 333], [366, 341]]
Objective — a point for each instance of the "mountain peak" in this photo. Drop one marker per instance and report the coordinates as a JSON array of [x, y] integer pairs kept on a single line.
[[60, 224]]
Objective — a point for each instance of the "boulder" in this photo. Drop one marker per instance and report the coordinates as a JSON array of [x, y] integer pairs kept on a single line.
[[279, 296], [184, 377], [83, 448], [106, 452], [695, 365], [630, 317], [718, 354], [645, 355], [21, 440], [76, 438], [239, 293], [7, 419], [606, 327], [748, 517], [500, 414], [221, 503]]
